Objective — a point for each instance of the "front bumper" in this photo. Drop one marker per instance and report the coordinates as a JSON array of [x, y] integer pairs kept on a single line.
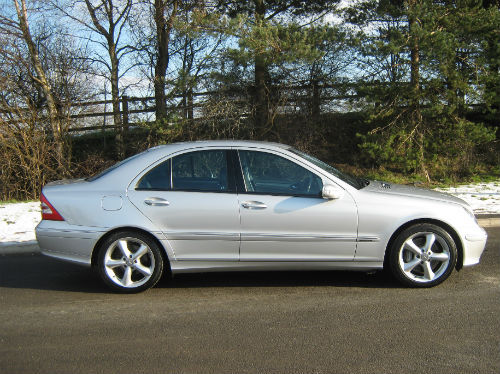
[[474, 244]]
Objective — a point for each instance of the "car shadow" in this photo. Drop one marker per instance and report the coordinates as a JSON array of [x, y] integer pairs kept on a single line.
[[38, 272], [377, 279], [34, 271]]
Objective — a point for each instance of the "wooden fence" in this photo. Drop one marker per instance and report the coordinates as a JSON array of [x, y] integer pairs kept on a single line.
[[313, 94]]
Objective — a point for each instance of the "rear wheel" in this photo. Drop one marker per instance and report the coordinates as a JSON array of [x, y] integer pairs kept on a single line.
[[423, 255], [130, 262]]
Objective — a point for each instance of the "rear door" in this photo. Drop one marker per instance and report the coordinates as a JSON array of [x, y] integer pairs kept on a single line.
[[192, 198]]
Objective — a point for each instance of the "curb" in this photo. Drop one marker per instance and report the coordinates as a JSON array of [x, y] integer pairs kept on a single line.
[[19, 248], [488, 221], [9, 248]]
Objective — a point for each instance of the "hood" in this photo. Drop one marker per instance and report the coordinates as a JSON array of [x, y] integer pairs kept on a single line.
[[410, 191]]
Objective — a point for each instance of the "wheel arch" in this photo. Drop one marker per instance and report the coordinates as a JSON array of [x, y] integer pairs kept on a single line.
[[443, 225], [95, 251]]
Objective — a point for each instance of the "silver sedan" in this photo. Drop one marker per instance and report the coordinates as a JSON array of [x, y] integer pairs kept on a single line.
[[239, 206]]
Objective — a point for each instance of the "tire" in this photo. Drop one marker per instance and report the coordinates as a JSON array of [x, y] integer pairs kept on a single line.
[[423, 255], [130, 262]]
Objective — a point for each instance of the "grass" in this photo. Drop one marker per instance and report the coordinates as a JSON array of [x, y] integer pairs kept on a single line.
[[385, 175]]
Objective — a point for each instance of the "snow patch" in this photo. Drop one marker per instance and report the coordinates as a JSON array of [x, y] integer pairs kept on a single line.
[[484, 198], [18, 222]]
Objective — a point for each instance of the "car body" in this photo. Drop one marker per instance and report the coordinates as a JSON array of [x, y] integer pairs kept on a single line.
[[242, 205]]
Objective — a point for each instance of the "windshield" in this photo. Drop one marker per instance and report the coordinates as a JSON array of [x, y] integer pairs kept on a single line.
[[357, 183]]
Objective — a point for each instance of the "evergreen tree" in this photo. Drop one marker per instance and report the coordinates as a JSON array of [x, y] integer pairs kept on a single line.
[[269, 34], [429, 56]]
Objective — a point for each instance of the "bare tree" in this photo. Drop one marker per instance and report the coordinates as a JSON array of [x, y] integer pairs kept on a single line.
[[40, 77], [174, 50], [42, 72], [107, 23]]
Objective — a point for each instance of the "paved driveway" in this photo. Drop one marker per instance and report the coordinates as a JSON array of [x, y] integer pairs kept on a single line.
[[57, 318]]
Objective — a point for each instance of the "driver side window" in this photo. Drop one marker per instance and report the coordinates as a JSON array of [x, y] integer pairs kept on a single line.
[[267, 173]]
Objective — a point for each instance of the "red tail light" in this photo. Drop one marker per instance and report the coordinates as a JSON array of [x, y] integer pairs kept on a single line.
[[48, 211]]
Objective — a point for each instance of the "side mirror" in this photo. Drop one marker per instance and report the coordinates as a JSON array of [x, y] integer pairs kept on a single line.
[[332, 192]]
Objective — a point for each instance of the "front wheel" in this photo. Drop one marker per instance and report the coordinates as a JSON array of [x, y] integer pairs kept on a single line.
[[423, 255], [130, 262]]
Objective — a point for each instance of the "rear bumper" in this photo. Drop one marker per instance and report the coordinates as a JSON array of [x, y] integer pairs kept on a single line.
[[67, 242]]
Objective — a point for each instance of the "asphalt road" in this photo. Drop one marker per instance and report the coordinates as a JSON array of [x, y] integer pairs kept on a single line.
[[58, 318]]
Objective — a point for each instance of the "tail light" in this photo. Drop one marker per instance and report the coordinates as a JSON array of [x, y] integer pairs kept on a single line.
[[48, 211]]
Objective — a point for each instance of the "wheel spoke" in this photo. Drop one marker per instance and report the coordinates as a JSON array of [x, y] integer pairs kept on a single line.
[[127, 276], [409, 266], [430, 238], [411, 246], [428, 273], [123, 245], [143, 249], [143, 269], [441, 257], [129, 263], [111, 263]]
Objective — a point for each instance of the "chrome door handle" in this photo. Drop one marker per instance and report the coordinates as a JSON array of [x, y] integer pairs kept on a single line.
[[156, 201], [253, 205]]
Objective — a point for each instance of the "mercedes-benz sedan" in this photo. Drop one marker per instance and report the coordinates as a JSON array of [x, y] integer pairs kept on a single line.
[[238, 205]]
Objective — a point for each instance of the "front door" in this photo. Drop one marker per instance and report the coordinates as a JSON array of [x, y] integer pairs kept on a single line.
[[284, 217]]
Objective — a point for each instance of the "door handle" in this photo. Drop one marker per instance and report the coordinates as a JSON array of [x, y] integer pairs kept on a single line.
[[156, 201], [253, 205]]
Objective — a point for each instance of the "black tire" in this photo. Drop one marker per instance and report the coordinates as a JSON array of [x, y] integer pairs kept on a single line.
[[423, 255], [130, 262]]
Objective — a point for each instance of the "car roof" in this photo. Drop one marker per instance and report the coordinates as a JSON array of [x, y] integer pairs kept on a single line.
[[222, 143], [132, 166]]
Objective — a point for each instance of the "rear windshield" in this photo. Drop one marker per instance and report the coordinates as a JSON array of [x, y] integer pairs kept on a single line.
[[111, 168]]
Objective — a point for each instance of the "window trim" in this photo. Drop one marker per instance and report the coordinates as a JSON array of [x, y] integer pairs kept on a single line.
[[231, 183], [169, 160], [242, 186]]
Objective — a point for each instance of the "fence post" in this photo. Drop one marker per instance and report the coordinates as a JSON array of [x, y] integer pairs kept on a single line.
[[316, 101], [190, 104], [103, 131], [124, 128]]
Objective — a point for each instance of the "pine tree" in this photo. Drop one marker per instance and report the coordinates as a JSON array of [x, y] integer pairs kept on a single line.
[[434, 53], [269, 34]]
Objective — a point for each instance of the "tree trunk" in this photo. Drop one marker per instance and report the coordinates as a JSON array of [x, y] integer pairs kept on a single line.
[[55, 117], [316, 101], [163, 30], [115, 99], [190, 113], [261, 92], [493, 85], [416, 113]]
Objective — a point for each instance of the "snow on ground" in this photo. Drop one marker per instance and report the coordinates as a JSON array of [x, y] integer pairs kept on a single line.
[[18, 221], [484, 198]]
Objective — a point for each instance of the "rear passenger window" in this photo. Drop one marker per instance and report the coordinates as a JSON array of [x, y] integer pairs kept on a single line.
[[200, 171], [157, 179]]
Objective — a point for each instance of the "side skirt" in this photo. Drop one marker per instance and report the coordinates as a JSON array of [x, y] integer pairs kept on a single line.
[[221, 266]]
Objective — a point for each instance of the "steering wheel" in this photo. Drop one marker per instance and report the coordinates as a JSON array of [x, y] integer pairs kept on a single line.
[[303, 186]]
